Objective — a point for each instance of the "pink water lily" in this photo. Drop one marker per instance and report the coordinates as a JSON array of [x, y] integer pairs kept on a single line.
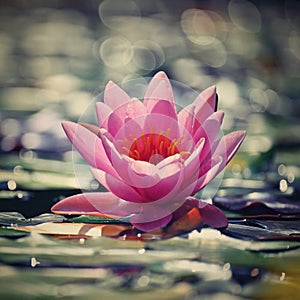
[[150, 158]]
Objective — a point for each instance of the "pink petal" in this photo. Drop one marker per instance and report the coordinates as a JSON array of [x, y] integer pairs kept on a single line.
[[222, 153], [108, 146], [210, 128], [171, 179], [114, 96], [229, 144], [114, 123], [186, 117], [149, 226], [213, 216], [169, 161], [164, 107], [192, 164], [139, 174], [196, 113], [97, 131], [151, 211], [117, 106], [188, 204], [161, 123], [187, 186], [151, 124], [170, 128], [117, 187], [103, 112], [94, 204], [209, 131], [108, 119], [217, 164], [203, 109], [173, 198], [89, 146], [134, 109], [209, 95], [184, 192], [159, 97], [93, 128], [130, 110], [76, 204], [166, 204], [113, 120], [127, 134]]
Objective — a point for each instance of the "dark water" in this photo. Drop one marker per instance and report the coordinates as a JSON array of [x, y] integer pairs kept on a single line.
[[56, 56]]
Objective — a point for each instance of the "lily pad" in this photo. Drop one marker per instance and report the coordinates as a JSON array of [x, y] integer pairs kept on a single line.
[[75, 230], [284, 227], [245, 232], [98, 220], [8, 232], [17, 219], [258, 203]]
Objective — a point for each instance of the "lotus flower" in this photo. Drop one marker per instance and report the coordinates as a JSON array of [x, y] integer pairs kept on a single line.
[[150, 158]]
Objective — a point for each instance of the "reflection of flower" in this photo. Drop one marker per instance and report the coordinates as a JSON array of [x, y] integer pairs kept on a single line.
[[150, 158]]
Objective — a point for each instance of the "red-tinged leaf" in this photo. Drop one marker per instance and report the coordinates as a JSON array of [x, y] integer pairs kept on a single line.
[[213, 217], [186, 223]]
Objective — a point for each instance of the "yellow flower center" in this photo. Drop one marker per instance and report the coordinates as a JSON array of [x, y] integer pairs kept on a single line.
[[153, 147]]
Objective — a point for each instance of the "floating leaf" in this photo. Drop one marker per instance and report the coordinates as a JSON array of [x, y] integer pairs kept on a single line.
[[75, 230], [284, 227], [14, 218], [241, 231], [8, 232], [258, 203], [97, 220]]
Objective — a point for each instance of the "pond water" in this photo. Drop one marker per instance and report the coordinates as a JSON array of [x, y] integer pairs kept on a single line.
[[57, 56]]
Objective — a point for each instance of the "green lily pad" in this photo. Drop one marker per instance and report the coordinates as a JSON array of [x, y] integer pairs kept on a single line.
[[17, 219], [12, 233], [98, 220]]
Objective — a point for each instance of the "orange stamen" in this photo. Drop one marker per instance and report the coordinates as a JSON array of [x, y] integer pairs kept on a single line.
[[149, 144]]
